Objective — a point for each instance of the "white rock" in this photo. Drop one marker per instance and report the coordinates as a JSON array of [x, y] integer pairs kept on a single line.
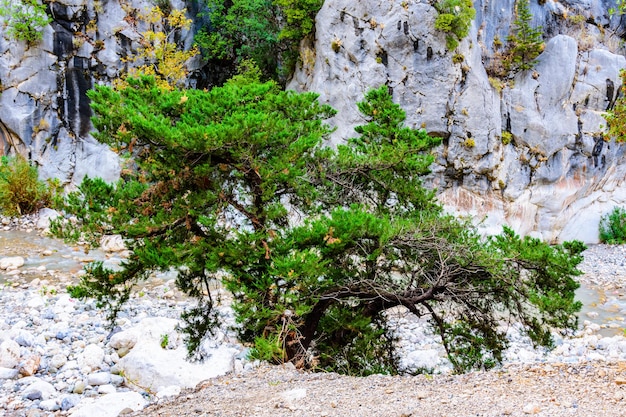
[[49, 405], [112, 243], [149, 365], [99, 378], [168, 392], [47, 389], [91, 357], [422, 359], [11, 262], [109, 405], [46, 215], [8, 373], [106, 389], [9, 354]]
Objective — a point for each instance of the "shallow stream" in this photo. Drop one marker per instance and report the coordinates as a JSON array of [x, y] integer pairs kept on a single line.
[[49, 257]]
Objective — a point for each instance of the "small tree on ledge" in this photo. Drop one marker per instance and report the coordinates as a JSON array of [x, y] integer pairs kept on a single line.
[[525, 41], [317, 245]]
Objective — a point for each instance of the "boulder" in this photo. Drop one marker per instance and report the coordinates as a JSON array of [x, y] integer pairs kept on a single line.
[[11, 262], [149, 365]]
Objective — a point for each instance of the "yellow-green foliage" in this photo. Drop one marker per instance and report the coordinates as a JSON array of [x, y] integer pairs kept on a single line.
[[507, 137], [21, 192], [469, 143], [616, 117], [160, 56]]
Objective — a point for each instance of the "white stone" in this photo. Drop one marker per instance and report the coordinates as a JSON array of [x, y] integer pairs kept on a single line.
[[46, 215], [109, 405], [149, 365], [168, 392], [91, 357], [47, 389], [8, 373], [422, 359], [11, 262], [106, 389], [9, 354], [99, 378], [112, 243]]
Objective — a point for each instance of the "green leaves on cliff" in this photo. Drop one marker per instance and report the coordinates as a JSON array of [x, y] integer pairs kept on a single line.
[[616, 116], [455, 19], [267, 31], [24, 19], [318, 247], [525, 41]]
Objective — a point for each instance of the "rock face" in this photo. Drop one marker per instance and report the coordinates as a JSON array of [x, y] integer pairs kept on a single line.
[[44, 109], [556, 177]]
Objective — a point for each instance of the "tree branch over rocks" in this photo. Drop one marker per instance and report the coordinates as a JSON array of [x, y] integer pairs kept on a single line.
[[317, 246]]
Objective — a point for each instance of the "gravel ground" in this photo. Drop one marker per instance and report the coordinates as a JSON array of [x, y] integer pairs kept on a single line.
[[585, 389], [593, 389]]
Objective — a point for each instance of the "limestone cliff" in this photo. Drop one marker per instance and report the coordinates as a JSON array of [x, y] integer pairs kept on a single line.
[[556, 176], [44, 109]]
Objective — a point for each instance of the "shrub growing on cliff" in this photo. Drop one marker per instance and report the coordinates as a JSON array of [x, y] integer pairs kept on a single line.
[[24, 19], [616, 116], [455, 19], [613, 227], [317, 246], [160, 55], [21, 192], [267, 31]]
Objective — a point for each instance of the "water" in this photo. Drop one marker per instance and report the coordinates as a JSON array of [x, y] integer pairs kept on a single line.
[[606, 307], [54, 254]]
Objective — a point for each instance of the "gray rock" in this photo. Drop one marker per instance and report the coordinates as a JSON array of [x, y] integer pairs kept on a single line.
[[551, 181], [8, 373], [69, 402]]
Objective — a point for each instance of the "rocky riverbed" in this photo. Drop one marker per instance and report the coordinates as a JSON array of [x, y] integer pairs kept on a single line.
[[57, 357]]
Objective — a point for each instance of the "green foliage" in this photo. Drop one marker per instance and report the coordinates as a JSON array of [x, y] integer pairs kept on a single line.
[[455, 19], [525, 42], [165, 340], [613, 227], [267, 31], [24, 19], [616, 116], [21, 192], [316, 245]]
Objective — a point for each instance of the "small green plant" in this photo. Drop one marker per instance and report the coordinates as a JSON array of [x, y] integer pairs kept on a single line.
[[507, 137], [455, 18], [24, 19], [165, 340], [21, 192], [613, 227]]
